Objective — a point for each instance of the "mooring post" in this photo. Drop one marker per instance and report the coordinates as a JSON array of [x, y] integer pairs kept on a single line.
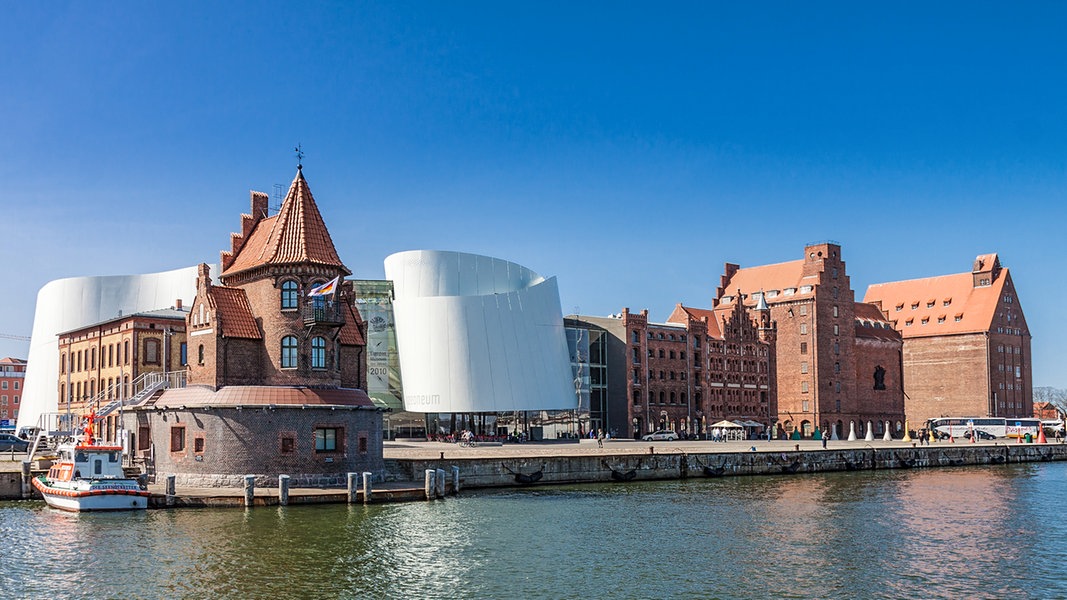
[[26, 487], [455, 480], [283, 490], [250, 489], [430, 474], [353, 487], [439, 478], [367, 487], [171, 487]]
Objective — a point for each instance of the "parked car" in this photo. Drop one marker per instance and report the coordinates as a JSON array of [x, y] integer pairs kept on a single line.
[[10, 441], [981, 435], [662, 434]]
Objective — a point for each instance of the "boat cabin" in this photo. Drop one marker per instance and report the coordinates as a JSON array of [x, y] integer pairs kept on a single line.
[[88, 462]]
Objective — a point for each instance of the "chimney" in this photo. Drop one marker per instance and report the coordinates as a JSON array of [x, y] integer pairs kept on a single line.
[[178, 304]]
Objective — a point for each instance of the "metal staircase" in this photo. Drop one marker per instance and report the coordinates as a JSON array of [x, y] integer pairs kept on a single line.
[[142, 388]]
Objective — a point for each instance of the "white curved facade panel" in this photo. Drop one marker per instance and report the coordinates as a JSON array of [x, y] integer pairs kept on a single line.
[[66, 304], [478, 334]]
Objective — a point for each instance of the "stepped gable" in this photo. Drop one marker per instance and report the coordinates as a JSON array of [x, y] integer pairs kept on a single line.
[[297, 234], [947, 304], [233, 313]]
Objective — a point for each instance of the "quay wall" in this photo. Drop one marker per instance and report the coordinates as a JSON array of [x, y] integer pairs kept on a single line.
[[497, 472]]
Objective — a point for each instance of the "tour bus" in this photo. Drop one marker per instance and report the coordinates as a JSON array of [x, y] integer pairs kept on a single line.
[[998, 427]]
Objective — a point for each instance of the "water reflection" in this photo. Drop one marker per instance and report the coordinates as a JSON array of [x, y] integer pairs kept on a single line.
[[985, 532]]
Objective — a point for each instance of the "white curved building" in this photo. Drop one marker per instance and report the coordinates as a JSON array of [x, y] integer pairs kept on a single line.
[[478, 334], [66, 304]]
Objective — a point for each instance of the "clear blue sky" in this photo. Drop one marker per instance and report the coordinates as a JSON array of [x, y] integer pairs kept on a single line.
[[628, 149]]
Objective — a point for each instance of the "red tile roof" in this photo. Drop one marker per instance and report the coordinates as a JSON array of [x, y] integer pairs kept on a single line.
[[297, 234], [351, 332], [234, 313], [682, 313], [949, 304], [769, 278], [259, 395], [871, 323]]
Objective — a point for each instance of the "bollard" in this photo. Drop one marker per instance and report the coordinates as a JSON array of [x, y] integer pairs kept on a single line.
[[171, 489], [455, 480], [439, 477], [283, 490], [250, 489], [367, 491], [429, 488], [442, 455], [651, 449], [796, 447], [353, 486], [26, 487]]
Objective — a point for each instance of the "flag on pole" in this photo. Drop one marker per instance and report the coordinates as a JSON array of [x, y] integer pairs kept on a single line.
[[327, 288]]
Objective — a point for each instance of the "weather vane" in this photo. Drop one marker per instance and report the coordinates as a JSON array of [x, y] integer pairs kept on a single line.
[[299, 156]]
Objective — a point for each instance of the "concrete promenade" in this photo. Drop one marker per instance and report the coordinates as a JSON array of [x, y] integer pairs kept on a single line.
[[584, 461]]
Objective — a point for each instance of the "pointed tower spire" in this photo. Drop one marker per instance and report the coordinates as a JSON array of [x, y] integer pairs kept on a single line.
[[297, 234]]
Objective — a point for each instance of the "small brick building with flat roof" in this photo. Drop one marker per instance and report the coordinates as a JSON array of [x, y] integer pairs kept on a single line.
[[277, 364], [966, 342]]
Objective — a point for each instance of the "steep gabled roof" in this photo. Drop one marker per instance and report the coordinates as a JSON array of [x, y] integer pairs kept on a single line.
[[233, 313], [871, 323], [772, 279], [297, 234], [351, 334], [943, 305], [681, 313]]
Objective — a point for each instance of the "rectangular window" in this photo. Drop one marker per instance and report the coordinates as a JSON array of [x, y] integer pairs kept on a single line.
[[803, 347], [836, 330], [177, 439], [144, 438], [362, 444], [326, 439], [804, 387], [804, 367], [184, 351], [288, 445], [804, 406], [803, 310], [198, 444], [803, 328]]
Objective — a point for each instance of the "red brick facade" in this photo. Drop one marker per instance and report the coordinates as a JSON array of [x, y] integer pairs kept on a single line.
[[966, 343], [823, 367], [694, 370], [12, 376]]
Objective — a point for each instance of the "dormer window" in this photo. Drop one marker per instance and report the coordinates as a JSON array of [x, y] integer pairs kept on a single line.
[[909, 322], [929, 304], [947, 301], [959, 317], [914, 305], [941, 318], [900, 307]]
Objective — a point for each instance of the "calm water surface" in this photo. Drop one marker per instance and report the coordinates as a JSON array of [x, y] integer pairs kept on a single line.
[[976, 532]]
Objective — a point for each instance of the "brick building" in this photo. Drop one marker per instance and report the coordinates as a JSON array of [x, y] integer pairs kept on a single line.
[[966, 343], [835, 361], [694, 370], [109, 360], [277, 368], [12, 375]]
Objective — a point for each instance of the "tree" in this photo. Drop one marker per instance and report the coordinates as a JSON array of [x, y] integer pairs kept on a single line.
[[1054, 396]]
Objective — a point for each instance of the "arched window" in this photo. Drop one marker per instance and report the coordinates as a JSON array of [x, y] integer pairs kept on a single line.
[[289, 352], [318, 353], [126, 352], [200, 354], [289, 298]]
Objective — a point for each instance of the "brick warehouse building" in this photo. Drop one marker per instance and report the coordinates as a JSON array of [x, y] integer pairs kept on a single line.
[[966, 342], [687, 373], [837, 361], [111, 359], [276, 376]]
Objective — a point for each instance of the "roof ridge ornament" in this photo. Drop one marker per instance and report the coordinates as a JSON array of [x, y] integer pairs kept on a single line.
[[299, 149]]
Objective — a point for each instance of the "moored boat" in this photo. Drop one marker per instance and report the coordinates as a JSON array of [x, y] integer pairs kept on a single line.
[[89, 477]]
